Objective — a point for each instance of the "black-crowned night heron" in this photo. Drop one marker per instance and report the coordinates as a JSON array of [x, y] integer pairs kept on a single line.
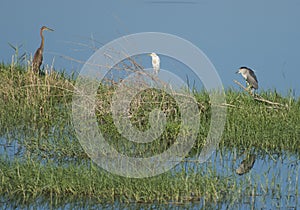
[[249, 76], [155, 63]]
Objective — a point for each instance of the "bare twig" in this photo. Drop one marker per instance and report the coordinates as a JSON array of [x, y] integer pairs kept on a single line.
[[257, 97], [245, 89], [229, 105]]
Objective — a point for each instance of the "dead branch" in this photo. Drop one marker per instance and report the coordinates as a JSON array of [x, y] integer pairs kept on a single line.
[[257, 97], [245, 89]]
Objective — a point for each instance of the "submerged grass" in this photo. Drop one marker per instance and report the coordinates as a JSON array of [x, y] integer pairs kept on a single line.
[[48, 160], [29, 180]]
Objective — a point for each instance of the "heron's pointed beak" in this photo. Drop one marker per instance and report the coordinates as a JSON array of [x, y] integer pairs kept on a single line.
[[49, 29], [238, 71]]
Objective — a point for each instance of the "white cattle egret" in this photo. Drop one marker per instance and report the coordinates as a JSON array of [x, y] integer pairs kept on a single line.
[[155, 63]]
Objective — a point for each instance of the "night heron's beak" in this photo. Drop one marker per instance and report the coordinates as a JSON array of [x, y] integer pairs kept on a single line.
[[238, 71]]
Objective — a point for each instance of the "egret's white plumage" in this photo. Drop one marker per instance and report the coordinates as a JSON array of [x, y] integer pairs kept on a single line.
[[155, 63]]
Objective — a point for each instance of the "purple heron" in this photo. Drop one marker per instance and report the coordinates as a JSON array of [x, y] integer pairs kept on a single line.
[[38, 56]]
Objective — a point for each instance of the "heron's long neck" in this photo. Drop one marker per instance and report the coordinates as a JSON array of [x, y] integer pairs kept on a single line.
[[42, 42]]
